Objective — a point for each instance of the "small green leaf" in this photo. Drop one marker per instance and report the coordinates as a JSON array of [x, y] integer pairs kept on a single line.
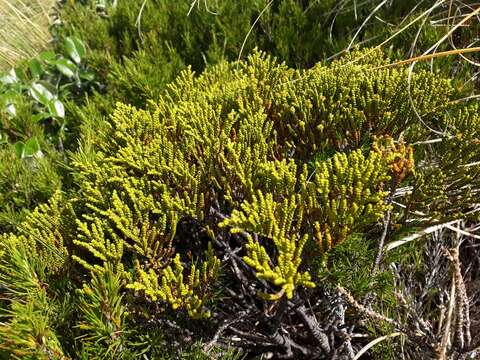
[[56, 108], [35, 68], [41, 94], [9, 78], [19, 149], [66, 67], [48, 56], [75, 49], [8, 96], [11, 109], [7, 101], [48, 85], [31, 147], [87, 75], [63, 89], [40, 116]]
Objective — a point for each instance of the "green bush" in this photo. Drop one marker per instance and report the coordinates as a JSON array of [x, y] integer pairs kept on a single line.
[[225, 197], [209, 206]]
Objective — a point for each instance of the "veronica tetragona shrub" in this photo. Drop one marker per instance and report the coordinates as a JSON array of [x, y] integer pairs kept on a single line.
[[237, 148], [235, 135], [217, 202]]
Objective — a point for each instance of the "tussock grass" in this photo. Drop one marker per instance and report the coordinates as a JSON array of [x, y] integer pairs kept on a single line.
[[23, 29]]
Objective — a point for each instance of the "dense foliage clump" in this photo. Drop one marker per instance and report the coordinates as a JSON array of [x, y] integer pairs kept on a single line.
[[224, 202], [169, 191], [109, 51]]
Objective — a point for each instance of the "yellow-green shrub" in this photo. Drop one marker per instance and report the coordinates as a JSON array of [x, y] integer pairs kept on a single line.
[[242, 138], [240, 178]]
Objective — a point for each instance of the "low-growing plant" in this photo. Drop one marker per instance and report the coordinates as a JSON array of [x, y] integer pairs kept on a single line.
[[252, 209], [215, 214]]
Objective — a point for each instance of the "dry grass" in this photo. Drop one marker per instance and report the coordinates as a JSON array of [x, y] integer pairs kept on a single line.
[[23, 29]]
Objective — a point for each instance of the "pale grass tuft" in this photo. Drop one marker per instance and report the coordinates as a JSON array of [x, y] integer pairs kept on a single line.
[[23, 29]]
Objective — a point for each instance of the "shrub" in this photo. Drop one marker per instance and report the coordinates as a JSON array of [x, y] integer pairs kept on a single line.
[[222, 200]]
